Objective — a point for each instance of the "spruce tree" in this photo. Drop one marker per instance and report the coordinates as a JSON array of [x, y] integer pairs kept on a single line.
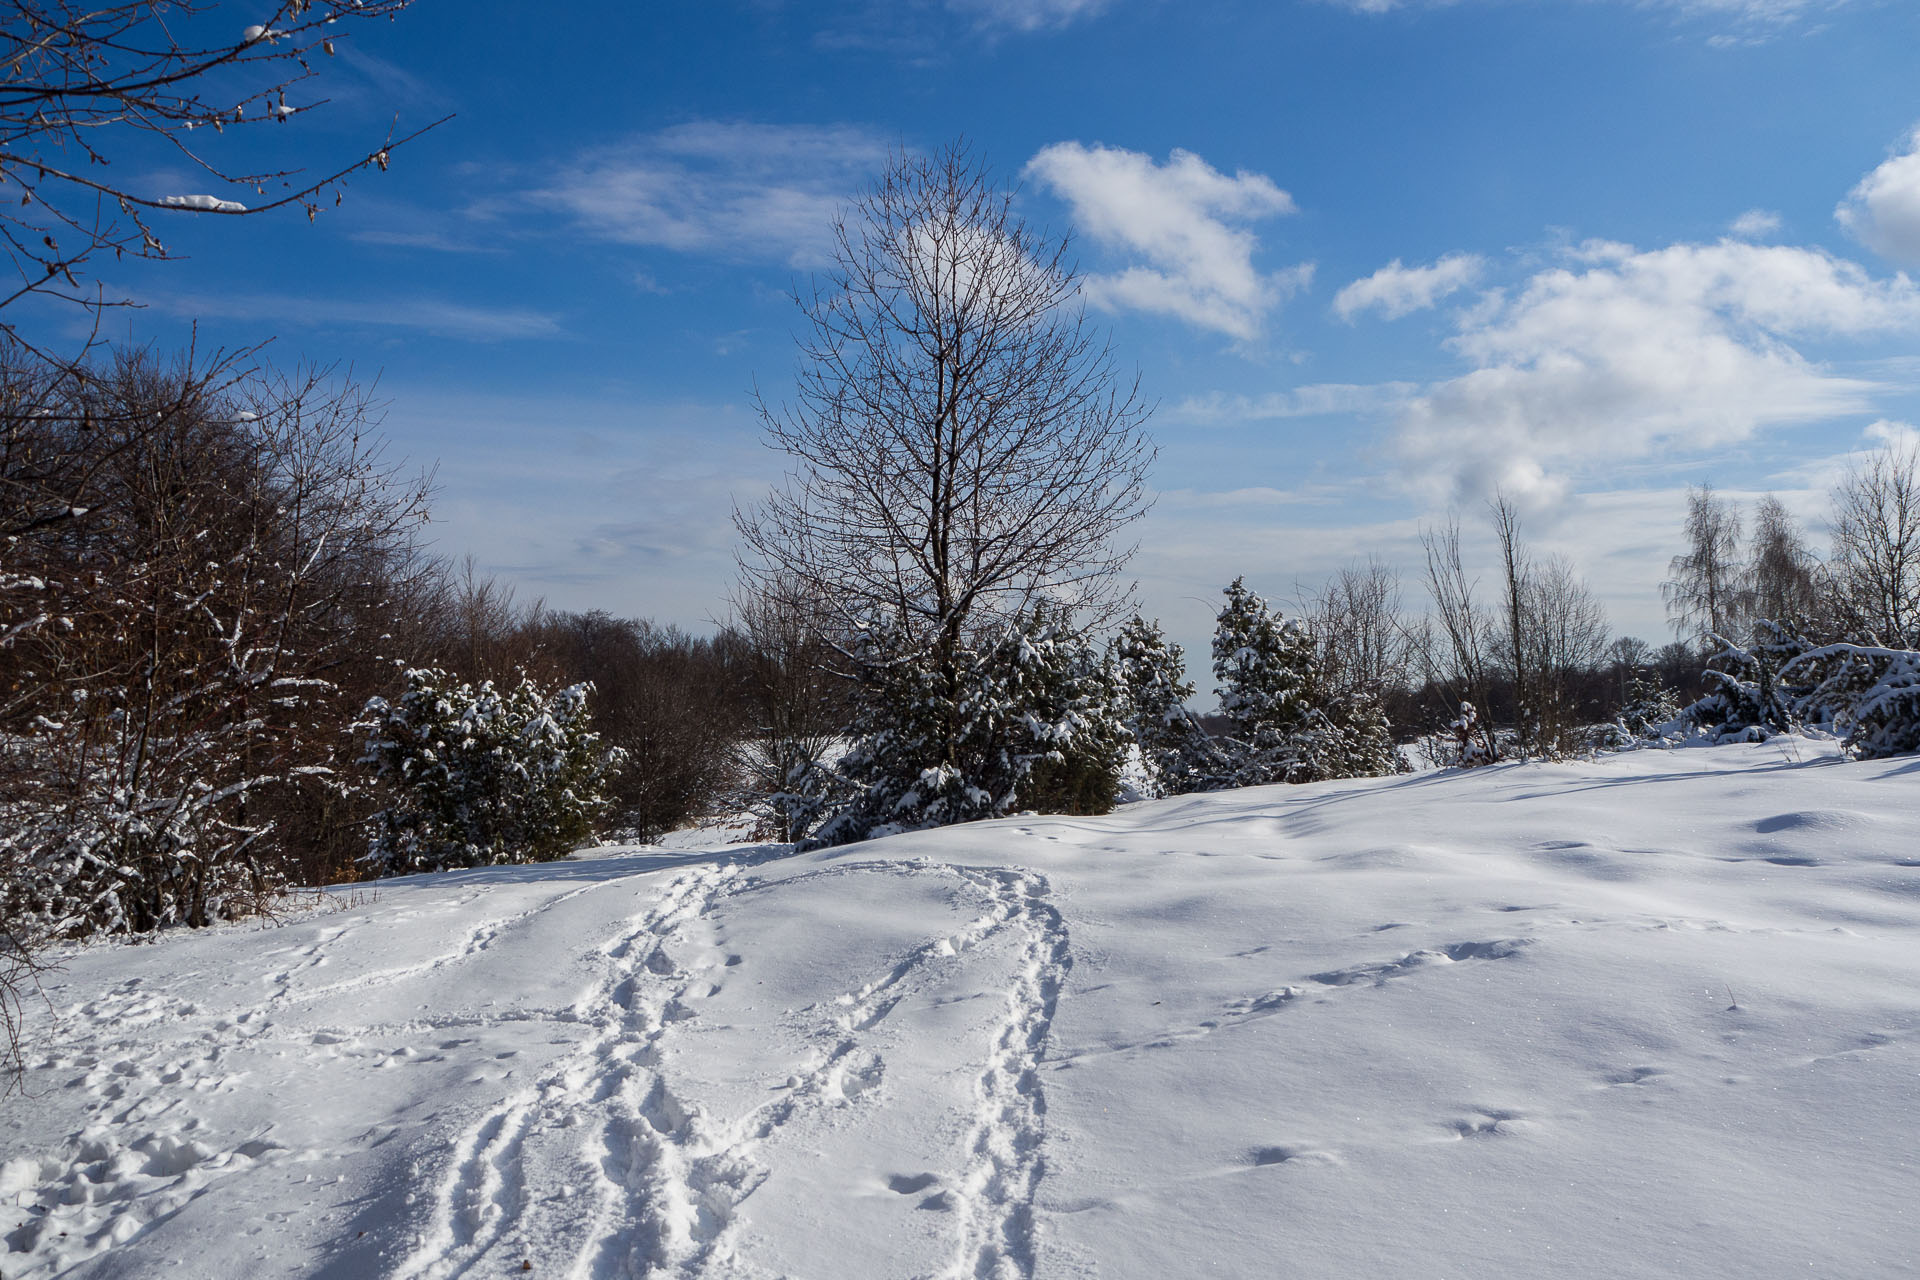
[[1265, 666], [1151, 676]]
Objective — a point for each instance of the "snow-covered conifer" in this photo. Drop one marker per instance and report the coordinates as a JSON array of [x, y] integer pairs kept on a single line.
[[482, 775], [1867, 694], [1264, 664], [930, 752], [1650, 705], [1151, 677], [1746, 699]]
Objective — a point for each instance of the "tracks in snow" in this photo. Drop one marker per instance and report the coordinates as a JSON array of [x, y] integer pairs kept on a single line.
[[483, 1200], [664, 1178], [997, 1193]]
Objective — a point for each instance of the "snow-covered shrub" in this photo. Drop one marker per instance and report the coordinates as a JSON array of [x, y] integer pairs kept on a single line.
[[789, 785], [930, 750], [1349, 737], [1747, 699], [1870, 696], [119, 824], [1151, 677], [1469, 747], [199, 571], [1645, 717], [482, 775], [1649, 705]]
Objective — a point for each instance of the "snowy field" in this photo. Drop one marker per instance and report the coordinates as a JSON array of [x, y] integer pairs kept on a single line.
[[1654, 1015]]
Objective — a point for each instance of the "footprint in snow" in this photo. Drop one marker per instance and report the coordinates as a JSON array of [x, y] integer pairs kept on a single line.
[[911, 1184], [1635, 1076], [1490, 1122], [1288, 1153]]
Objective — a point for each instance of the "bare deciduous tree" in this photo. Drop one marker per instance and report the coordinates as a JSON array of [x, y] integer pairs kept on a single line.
[[88, 85], [960, 444], [1876, 548], [1781, 584], [1516, 578], [1567, 639], [1357, 626], [1460, 667], [1703, 595]]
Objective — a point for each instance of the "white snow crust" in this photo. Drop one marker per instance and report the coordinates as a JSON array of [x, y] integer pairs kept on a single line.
[[203, 204], [1652, 1015]]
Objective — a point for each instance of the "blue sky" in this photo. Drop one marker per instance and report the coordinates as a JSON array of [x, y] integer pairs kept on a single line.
[[1371, 257]]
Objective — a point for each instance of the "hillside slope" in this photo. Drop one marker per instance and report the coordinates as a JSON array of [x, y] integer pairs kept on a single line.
[[1657, 1014]]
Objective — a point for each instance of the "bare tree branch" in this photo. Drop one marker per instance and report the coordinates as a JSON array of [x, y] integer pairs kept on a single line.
[[84, 87]]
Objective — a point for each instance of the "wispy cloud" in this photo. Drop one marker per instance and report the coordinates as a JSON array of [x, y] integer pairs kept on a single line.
[[429, 315], [1187, 221], [437, 241], [1027, 15], [1754, 16], [1755, 224], [1395, 290], [1883, 211], [1314, 400], [731, 190]]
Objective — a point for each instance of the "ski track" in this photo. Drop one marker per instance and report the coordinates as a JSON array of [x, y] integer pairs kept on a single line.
[[482, 1201], [478, 940]]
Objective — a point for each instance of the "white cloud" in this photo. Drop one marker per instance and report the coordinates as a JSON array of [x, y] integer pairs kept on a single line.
[[1400, 291], [1624, 355], [1883, 211], [1755, 224], [1179, 217], [1027, 15], [739, 190], [1888, 434], [1746, 10], [1301, 402]]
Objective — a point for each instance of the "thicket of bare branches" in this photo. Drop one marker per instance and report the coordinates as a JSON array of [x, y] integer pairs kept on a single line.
[[671, 702], [797, 708], [1456, 656], [199, 563], [1358, 625], [93, 93]]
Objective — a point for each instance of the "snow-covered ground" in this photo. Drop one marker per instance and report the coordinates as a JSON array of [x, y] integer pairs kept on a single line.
[[1656, 1015]]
